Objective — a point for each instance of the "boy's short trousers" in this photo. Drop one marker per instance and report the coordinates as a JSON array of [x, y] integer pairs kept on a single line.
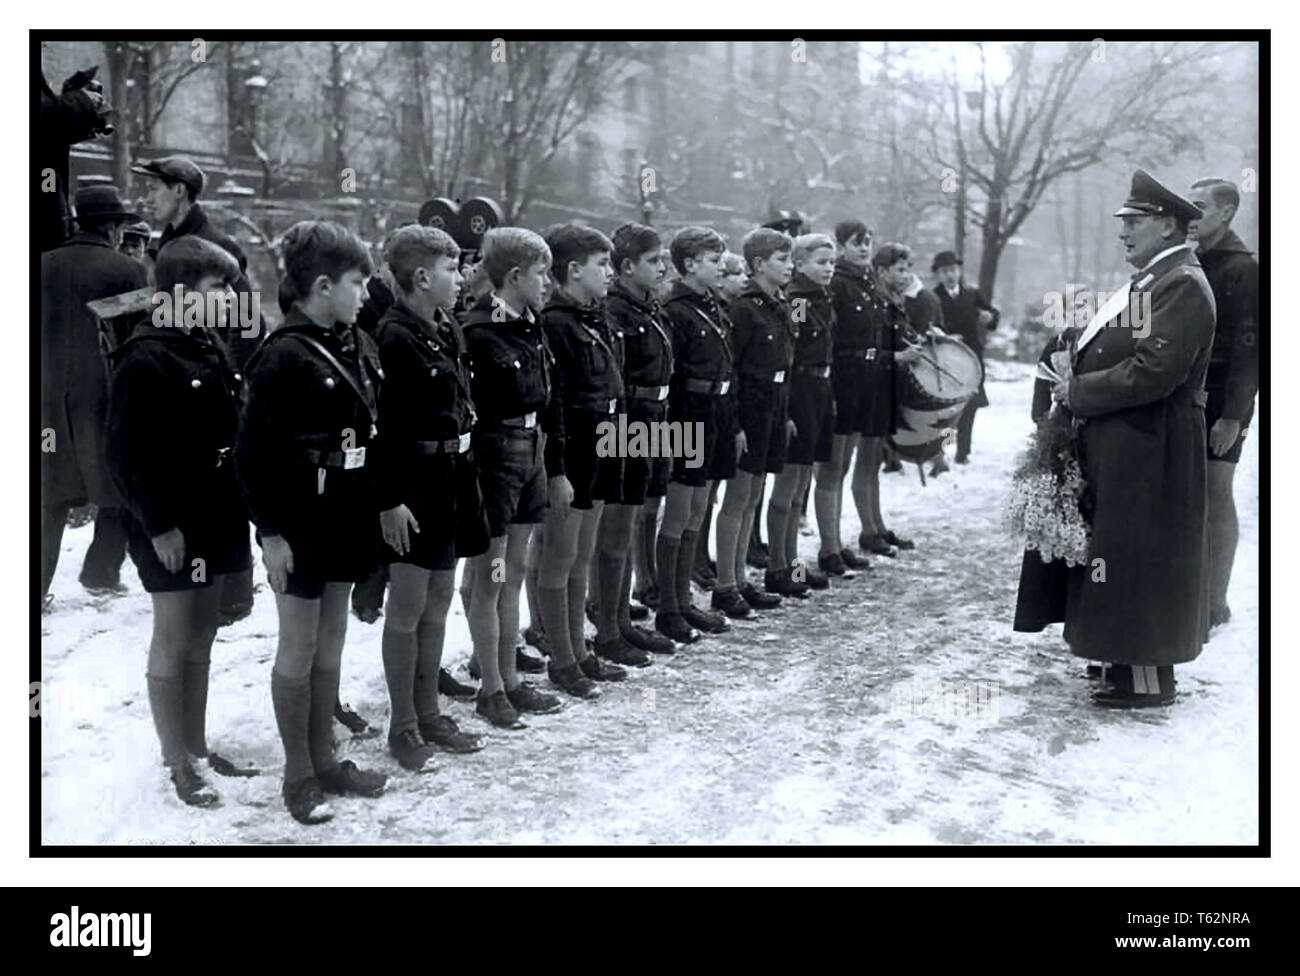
[[447, 502], [717, 459], [638, 478], [763, 408], [593, 478], [512, 477], [812, 408], [224, 549], [864, 397]]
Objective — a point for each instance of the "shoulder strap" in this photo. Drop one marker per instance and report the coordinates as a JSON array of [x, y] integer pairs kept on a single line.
[[330, 358]]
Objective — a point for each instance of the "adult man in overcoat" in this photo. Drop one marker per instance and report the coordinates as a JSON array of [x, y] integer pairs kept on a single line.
[[1141, 600]]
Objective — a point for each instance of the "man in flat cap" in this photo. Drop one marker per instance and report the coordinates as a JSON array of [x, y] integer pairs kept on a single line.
[[1233, 377], [135, 241], [172, 202], [74, 386], [968, 315], [1140, 601]]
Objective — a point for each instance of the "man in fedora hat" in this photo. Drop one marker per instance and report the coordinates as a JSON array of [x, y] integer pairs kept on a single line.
[[74, 385], [172, 200], [968, 315], [1140, 601]]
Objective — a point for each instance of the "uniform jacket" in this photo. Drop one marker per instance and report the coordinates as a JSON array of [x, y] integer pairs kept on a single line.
[[196, 223], [1233, 377], [172, 424], [1143, 446], [74, 378], [701, 335], [646, 338], [863, 325], [512, 366], [816, 333], [425, 396], [763, 333], [299, 402], [588, 367]]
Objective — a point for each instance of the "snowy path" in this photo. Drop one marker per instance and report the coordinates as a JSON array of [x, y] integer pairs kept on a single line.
[[818, 724]]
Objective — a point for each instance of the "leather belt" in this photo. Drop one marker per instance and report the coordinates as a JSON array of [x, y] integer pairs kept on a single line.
[[866, 354], [822, 372], [348, 460], [708, 387], [776, 378], [527, 422], [458, 445], [648, 392]]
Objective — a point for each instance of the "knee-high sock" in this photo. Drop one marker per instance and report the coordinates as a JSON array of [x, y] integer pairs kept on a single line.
[[165, 702], [320, 726], [553, 603], [649, 533], [824, 503], [685, 559], [625, 598], [400, 650], [195, 699], [428, 661], [791, 550], [610, 574], [702, 542], [577, 614], [666, 550], [291, 699], [778, 517]]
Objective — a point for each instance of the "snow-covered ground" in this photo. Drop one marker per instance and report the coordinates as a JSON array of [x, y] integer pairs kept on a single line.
[[898, 708]]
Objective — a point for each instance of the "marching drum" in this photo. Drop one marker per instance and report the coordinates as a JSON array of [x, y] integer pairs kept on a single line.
[[930, 393]]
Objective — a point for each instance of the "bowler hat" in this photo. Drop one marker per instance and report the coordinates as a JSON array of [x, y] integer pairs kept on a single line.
[[101, 202], [178, 169], [943, 259], [1147, 196]]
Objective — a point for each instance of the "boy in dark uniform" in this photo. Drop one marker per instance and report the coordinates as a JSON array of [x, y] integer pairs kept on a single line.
[[431, 509], [637, 318], [310, 419], [812, 404], [511, 387], [764, 344], [171, 427], [588, 387], [702, 393]]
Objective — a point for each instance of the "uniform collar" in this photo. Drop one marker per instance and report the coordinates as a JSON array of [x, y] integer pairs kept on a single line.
[[648, 305], [296, 318], [1185, 246]]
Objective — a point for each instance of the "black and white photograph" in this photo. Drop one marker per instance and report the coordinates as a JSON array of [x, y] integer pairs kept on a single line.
[[701, 440]]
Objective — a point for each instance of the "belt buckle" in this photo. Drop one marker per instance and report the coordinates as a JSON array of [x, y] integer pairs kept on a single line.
[[462, 444], [724, 387], [530, 420], [779, 376], [662, 394], [871, 354], [354, 458], [223, 455], [613, 405]]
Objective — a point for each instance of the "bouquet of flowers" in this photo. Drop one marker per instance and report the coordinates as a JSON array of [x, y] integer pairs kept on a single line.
[[1047, 486]]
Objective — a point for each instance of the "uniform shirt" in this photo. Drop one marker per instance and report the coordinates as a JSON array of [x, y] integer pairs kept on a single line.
[[812, 303], [862, 317], [298, 402], [425, 396], [1233, 273], [172, 422], [588, 367], [764, 333], [645, 335], [701, 336]]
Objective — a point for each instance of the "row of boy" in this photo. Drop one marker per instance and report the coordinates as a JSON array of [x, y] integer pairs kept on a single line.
[[439, 440]]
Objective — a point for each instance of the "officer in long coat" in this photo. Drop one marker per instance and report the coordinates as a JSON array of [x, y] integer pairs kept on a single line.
[[74, 384], [1140, 601]]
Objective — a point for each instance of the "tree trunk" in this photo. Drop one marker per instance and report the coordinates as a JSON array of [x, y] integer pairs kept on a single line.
[[993, 244], [117, 57]]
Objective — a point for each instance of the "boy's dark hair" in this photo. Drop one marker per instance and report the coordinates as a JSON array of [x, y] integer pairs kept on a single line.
[[504, 248], [890, 254], [409, 248], [632, 242], [187, 259], [762, 242], [319, 247], [574, 242], [851, 230], [1222, 191], [691, 242]]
